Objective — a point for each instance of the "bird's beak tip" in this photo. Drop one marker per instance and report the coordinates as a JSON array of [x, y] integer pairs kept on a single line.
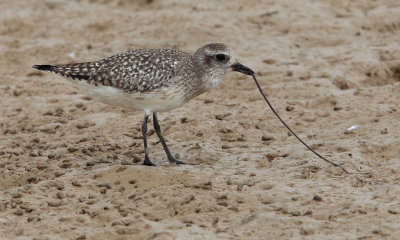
[[238, 67]]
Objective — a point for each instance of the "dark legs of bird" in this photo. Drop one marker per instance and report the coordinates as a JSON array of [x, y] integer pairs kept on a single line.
[[157, 129], [144, 132]]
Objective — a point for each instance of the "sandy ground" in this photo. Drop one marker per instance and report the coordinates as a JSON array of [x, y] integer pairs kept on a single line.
[[69, 166]]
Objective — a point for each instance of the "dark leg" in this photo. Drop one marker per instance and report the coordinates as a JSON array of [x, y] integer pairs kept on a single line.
[[157, 128], [144, 132]]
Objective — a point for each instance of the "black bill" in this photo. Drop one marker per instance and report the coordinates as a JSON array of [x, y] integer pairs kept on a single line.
[[241, 68]]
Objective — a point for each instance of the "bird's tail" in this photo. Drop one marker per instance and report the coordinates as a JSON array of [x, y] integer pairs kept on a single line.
[[79, 71], [48, 68]]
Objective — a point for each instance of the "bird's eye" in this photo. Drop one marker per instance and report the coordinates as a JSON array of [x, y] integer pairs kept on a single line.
[[220, 57]]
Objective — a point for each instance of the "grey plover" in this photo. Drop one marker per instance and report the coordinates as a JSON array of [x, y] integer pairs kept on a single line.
[[152, 80]]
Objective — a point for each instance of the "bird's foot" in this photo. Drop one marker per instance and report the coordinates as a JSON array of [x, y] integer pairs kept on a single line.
[[147, 161], [172, 160]]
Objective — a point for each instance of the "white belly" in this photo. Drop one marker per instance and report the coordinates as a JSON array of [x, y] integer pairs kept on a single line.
[[160, 100]]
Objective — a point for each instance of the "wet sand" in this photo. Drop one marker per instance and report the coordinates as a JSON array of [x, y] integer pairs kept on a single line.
[[70, 167]]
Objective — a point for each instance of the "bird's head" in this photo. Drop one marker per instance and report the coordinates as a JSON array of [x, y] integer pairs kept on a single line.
[[215, 60]]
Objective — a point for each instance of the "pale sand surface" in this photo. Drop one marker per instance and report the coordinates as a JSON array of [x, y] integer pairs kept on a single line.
[[69, 166]]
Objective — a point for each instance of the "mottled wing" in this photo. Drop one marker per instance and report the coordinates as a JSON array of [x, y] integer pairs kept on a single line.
[[133, 71]]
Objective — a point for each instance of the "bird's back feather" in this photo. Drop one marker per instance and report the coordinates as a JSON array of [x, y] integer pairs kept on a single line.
[[133, 71]]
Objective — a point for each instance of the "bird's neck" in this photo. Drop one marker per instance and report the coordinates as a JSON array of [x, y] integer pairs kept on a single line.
[[211, 80]]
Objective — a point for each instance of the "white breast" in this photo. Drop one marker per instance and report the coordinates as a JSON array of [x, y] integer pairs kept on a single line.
[[159, 100]]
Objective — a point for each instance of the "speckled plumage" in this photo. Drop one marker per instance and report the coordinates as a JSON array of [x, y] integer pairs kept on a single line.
[[144, 77], [133, 71]]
